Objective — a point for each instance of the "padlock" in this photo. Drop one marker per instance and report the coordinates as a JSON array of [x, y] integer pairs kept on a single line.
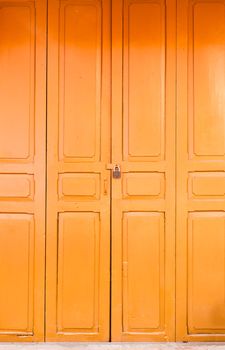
[[116, 172]]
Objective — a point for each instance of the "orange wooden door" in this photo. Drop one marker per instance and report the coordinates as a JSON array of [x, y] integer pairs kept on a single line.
[[143, 144], [78, 205], [22, 169], [201, 171]]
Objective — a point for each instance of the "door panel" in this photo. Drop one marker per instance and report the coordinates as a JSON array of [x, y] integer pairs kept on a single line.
[[201, 171], [143, 260], [22, 169], [143, 137], [80, 67], [19, 256], [78, 209], [143, 144], [78, 245], [206, 252], [20, 33]]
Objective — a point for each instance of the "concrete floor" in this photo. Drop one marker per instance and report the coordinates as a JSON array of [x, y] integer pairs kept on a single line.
[[112, 346]]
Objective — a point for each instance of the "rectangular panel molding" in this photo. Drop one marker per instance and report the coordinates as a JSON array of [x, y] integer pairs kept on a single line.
[[206, 272], [79, 186], [143, 272], [78, 248], [16, 257], [206, 77], [17, 80], [144, 83], [16, 186], [206, 185], [143, 185], [80, 71]]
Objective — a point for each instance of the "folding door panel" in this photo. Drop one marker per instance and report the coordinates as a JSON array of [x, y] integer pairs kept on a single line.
[[201, 171], [22, 169], [78, 228], [143, 145]]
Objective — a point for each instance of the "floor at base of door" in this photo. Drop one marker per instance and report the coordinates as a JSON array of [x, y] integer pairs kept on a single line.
[[112, 346]]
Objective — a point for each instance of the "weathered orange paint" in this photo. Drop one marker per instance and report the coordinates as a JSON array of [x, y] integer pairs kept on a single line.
[[137, 84]]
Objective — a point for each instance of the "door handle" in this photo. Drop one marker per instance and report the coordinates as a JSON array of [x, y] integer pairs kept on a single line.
[[116, 170]]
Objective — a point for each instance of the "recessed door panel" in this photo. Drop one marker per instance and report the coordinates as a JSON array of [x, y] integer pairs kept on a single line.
[[78, 250], [22, 169], [78, 205], [17, 30], [80, 72], [144, 42], [143, 198], [14, 258], [206, 241], [200, 171], [143, 255], [206, 77]]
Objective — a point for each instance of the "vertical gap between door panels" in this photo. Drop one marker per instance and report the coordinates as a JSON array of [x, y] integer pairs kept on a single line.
[[110, 267], [175, 102], [122, 146], [46, 164]]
